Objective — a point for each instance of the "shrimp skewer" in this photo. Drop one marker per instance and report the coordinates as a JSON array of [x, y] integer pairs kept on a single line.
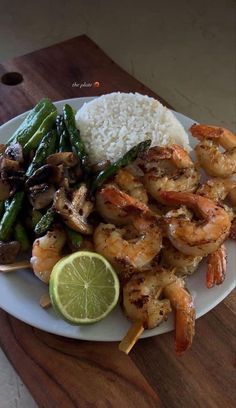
[[214, 162], [143, 306], [197, 238]]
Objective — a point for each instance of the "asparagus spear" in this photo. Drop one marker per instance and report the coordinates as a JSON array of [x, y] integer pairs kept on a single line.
[[46, 147], [75, 238], [35, 126], [76, 141], [36, 217], [64, 140], [10, 215], [45, 222], [32, 122], [12, 207], [128, 158], [43, 129], [22, 237]]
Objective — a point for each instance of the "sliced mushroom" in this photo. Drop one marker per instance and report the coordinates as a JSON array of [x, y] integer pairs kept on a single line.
[[14, 152], [61, 176], [43, 174], [66, 158], [5, 189], [41, 195], [14, 178], [74, 213], [58, 174], [64, 176], [9, 251], [8, 164], [74, 174]]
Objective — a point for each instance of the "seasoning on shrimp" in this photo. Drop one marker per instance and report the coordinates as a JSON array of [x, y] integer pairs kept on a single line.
[[131, 184], [198, 238], [142, 302], [145, 242], [184, 264], [148, 297], [168, 168], [46, 252], [214, 162]]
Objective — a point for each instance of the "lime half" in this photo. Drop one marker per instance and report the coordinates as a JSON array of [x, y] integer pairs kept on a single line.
[[83, 287]]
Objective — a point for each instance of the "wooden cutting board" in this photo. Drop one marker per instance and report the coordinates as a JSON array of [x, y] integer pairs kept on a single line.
[[67, 373]]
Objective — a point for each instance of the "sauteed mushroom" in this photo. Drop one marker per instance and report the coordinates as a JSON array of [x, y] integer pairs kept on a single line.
[[41, 195], [43, 174], [9, 164], [74, 213], [66, 158], [15, 179]]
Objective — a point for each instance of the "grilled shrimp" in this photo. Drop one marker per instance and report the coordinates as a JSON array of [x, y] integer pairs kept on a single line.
[[172, 258], [197, 238], [168, 168], [214, 162], [141, 299], [185, 265], [131, 184], [136, 244], [182, 303], [142, 302], [217, 189], [46, 252], [111, 211]]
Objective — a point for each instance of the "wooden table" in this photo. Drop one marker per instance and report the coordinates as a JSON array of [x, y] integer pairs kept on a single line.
[[67, 373]]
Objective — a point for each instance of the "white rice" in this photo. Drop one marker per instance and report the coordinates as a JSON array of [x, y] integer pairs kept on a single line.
[[111, 124]]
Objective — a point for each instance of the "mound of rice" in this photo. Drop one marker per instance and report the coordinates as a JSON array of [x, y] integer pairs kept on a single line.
[[111, 124]]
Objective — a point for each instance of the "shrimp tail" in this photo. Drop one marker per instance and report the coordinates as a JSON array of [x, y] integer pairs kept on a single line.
[[182, 303], [216, 267], [184, 338], [202, 132]]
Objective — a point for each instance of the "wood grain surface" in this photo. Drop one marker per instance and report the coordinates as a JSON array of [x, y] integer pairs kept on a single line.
[[67, 373]]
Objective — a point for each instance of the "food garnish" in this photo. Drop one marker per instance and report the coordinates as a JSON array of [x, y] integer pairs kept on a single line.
[[84, 288]]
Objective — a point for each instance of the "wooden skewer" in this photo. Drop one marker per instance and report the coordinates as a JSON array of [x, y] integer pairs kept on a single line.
[[45, 301], [131, 337], [14, 266]]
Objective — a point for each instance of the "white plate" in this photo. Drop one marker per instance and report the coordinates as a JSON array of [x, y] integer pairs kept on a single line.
[[20, 291]]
